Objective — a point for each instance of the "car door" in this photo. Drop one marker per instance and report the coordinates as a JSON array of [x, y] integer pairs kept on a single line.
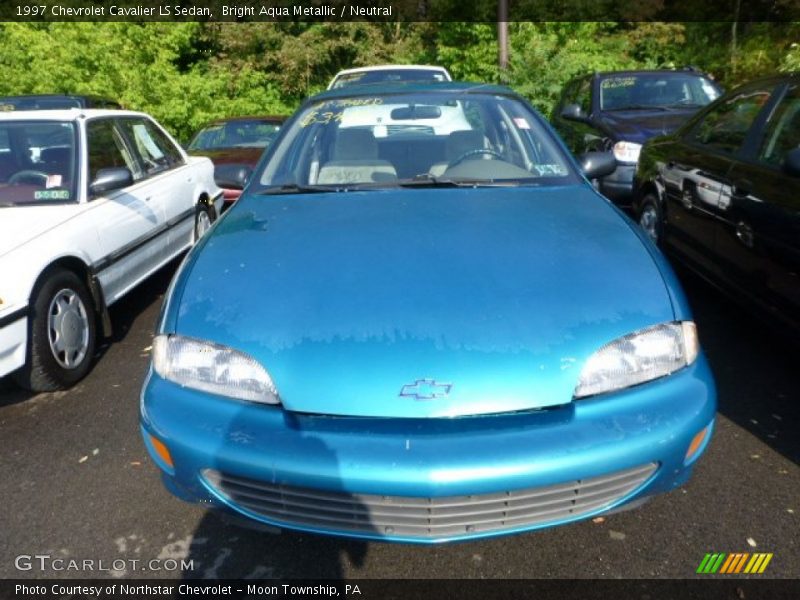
[[760, 234], [131, 223], [125, 217], [171, 178], [579, 134], [695, 175]]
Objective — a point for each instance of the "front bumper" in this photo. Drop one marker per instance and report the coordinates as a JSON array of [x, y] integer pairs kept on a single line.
[[383, 478], [13, 340], [618, 187]]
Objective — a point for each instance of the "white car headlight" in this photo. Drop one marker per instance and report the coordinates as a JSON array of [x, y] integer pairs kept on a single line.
[[627, 152], [212, 368], [638, 357]]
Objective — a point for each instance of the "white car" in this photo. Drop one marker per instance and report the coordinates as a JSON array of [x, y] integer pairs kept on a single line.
[[389, 74], [92, 202]]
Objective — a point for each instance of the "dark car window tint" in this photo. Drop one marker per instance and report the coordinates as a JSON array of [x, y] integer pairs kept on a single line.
[[107, 149], [725, 127], [567, 96], [783, 131], [239, 133], [636, 91], [583, 97], [156, 152]]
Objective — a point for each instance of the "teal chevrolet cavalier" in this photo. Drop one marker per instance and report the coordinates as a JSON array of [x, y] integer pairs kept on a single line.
[[421, 323]]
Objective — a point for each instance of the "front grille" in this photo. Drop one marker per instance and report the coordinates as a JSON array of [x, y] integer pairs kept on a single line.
[[427, 518]]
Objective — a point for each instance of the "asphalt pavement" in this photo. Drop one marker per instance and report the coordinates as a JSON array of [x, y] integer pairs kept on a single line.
[[77, 484]]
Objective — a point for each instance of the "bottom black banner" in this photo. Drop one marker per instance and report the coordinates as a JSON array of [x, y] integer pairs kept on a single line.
[[387, 589]]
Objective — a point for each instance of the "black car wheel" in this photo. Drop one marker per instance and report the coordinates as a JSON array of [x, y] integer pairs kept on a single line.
[[650, 218], [61, 333]]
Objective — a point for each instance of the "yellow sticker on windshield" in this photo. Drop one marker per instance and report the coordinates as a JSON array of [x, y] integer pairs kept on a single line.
[[323, 118]]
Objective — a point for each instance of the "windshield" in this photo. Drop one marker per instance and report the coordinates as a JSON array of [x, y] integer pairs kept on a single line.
[[620, 92], [424, 138], [389, 76], [37, 162], [239, 133]]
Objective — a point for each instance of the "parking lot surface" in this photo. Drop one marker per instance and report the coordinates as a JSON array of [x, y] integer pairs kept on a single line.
[[78, 483]]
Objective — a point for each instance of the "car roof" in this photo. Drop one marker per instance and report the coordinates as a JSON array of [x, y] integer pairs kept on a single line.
[[67, 114], [392, 68], [85, 96], [652, 72], [775, 79], [270, 118], [88, 99], [381, 89]]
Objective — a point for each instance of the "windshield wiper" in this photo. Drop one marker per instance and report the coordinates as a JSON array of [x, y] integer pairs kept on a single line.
[[294, 188], [684, 105], [427, 180], [639, 107]]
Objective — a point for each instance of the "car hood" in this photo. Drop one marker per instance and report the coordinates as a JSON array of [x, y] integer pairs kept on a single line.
[[640, 125], [21, 224], [421, 303], [227, 156]]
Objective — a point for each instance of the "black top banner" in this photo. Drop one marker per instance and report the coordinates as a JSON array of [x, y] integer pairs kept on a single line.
[[402, 10]]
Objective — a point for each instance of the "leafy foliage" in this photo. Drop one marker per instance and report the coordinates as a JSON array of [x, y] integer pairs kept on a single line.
[[187, 73]]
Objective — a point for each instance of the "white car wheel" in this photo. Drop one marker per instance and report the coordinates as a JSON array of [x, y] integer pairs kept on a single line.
[[202, 221], [61, 333]]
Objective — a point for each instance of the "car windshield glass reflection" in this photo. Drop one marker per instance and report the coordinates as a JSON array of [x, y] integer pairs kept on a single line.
[[656, 91], [37, 162], [369, 142], [239, 133], [388, 76]]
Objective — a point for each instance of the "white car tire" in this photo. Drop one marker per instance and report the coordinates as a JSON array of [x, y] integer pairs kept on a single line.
[[202, 221]]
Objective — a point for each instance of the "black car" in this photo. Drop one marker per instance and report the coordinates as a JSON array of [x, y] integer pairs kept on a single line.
[[55, 102], [723, 194], [618, 111]]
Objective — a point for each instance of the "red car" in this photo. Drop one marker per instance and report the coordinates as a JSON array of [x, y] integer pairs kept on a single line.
[[234, 145]]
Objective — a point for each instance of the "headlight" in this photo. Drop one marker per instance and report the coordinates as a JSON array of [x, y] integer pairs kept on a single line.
[[641, 356], [627, 152], [212, 368]]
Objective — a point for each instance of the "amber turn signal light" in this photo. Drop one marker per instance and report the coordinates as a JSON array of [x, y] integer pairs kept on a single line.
[[162, 451], [697, 443]]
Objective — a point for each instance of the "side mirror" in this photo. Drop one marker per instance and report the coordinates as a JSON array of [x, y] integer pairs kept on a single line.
[[573, 112], [232, 177], [597, 164], [108, 180], [791, 163]]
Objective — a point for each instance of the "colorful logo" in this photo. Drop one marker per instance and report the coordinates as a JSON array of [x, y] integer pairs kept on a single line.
[[736, 562]]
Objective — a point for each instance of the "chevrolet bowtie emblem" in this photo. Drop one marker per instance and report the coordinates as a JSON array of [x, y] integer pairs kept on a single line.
[[425, 389]]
